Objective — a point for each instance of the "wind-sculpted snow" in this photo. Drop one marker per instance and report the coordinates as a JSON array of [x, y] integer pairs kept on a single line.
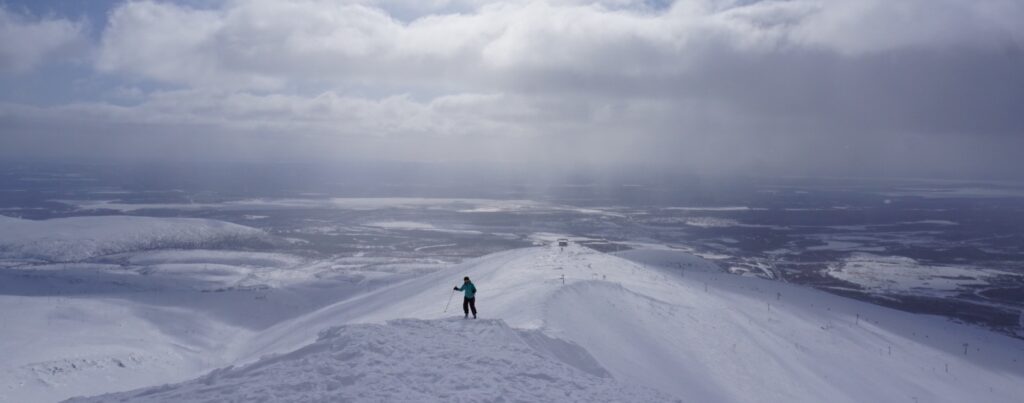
[[80, 238], [411, 361]]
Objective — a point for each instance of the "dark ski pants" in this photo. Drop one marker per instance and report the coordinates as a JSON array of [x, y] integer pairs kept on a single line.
[[468, 303]]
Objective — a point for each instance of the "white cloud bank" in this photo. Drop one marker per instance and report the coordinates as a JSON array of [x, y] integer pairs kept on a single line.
[[271, 43], [709, 82]]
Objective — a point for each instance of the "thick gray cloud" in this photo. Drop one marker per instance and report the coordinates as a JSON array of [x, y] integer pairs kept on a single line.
[[26, 41], [847, 86]]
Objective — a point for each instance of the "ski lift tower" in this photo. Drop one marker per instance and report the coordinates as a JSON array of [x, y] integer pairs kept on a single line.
[[562, 243]]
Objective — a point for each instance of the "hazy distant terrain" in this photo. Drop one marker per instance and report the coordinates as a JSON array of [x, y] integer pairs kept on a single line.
[[941, 247]]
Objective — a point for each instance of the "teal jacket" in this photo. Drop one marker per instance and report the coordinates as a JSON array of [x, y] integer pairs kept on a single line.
[[469, 289]]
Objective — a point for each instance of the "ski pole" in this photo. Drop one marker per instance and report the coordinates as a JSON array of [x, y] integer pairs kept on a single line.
[[449, 301]]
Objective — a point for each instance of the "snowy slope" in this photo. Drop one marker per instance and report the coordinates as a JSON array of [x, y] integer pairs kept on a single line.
[[53, 346], [79, 238], [129, 310], [412, 360], [695, 336]]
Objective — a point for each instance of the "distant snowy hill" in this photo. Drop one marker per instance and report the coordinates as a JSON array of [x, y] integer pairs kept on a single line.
[[579, 325], [79, 238]]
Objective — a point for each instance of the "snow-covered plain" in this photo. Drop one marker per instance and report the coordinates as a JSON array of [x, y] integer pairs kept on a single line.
[[416, 226], [903, 275], [343, 203], [576, 324]]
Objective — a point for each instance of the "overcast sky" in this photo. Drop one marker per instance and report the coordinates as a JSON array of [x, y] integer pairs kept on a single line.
[[838, 87]]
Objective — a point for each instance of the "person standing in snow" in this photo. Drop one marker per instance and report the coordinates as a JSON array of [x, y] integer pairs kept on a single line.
[[469, 301]]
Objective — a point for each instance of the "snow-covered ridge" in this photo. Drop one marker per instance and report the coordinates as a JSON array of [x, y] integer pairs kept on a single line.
[[700, 335], [574, 324], [412, 360], [80, 238]]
